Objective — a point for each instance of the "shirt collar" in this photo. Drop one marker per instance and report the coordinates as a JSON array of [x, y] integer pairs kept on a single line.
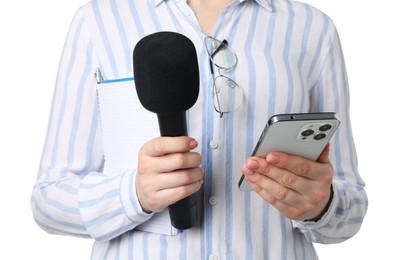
[[264, 3], [267, 4]]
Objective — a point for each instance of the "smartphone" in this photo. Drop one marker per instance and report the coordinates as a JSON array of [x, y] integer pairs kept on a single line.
[[303, 135]]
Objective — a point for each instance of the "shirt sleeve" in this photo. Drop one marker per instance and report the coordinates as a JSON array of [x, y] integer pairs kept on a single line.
[[349, 204], [72, 195]]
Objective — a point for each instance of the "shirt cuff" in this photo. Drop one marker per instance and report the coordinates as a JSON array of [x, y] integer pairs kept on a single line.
[[323, 221]]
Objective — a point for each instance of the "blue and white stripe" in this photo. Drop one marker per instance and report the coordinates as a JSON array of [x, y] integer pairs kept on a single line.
[[289, 60]]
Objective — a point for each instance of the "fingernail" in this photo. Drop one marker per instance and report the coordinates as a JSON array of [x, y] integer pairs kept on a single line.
[[193, 144], [252, 165], [272, 159]]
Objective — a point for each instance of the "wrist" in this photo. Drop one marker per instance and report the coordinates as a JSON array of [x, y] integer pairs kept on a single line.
[[318, 217]]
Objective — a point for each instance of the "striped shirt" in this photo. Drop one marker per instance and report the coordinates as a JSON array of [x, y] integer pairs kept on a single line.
[[289, 60]]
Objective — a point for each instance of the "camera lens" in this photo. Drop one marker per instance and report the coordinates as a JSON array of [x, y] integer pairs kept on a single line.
[[325, 127], [320, 136], [307, 132]]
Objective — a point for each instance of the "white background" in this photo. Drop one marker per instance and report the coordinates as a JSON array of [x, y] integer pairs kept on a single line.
[[32, 38]]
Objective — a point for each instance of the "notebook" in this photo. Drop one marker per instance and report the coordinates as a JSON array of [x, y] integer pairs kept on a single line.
[[126, 126]]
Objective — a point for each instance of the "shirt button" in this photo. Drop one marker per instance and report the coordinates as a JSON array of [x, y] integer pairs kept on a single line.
[[214, 144], [213, 201], [213, 257]]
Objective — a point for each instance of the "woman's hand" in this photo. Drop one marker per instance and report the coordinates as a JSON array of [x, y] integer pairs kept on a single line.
[[167, 172], [299, 188]]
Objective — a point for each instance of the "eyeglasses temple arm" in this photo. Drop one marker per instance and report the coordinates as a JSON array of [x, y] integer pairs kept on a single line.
[[219, 48]]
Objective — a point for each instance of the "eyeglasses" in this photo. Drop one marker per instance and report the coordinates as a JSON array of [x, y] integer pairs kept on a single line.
[[228, 96]]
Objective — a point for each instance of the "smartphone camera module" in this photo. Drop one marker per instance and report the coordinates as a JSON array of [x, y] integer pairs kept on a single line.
[[315, 132]]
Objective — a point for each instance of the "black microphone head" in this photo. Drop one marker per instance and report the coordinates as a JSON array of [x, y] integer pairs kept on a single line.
[[166, 72]]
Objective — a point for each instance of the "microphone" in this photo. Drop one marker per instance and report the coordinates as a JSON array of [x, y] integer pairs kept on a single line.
[[167, 83]]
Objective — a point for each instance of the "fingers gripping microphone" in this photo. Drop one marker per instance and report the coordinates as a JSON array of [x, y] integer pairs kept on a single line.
[[167, 83]]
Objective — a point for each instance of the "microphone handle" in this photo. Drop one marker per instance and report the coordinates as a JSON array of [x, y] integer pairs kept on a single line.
[[172, 124], [183, 213]]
